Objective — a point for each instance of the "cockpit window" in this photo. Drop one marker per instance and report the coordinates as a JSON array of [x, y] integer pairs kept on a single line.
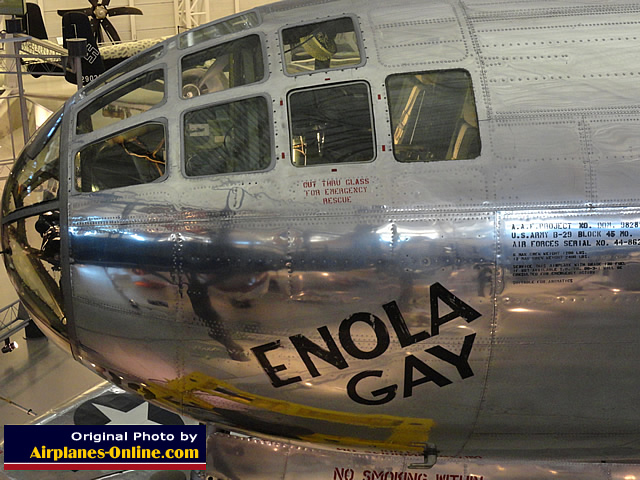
[[128, 66], [224, 66], [331, 125], [131, 98], [227, 138], [132, 157], [433, 116], [211, 31], [321, 46], [35, 176]]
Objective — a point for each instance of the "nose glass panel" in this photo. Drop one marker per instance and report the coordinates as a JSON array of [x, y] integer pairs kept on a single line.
[[35, 176], [33, 265], [31, 242]]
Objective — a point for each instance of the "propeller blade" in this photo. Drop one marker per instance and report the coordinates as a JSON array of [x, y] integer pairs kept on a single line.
[[105, 3], [95, 28], [110, 30], [94, 4], [124, 11], [87, 11]]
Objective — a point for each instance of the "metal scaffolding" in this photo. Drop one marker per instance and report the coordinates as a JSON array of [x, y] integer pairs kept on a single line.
[[22, 55], [190, 13], [12, 320]]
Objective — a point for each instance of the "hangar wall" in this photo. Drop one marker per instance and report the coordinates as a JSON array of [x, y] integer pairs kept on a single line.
[[158, 18]]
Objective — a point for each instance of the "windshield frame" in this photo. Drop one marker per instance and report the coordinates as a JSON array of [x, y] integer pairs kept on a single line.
[[30, 153]]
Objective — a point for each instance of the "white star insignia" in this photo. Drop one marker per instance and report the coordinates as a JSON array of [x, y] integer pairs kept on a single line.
[[135, 416]]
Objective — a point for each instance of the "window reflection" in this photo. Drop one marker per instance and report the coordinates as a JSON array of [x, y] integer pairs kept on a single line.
[[229, 65], [433, 116], [131, 157], [132, 98], [227, 138], [321, 46], [244, 21], [331, 125], [34, 178]]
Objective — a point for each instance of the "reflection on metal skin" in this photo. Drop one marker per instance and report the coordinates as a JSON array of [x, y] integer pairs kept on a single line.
[[204, 297], [231, 457]]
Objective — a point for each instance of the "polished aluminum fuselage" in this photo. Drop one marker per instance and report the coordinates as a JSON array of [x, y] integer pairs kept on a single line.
[[251, 301]]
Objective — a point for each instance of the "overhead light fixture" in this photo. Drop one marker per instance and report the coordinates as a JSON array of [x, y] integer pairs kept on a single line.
[[9, 346]]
